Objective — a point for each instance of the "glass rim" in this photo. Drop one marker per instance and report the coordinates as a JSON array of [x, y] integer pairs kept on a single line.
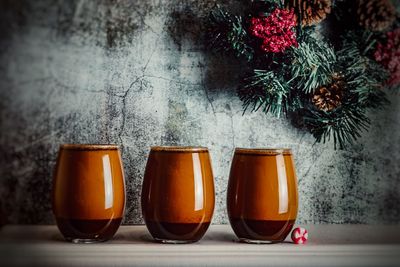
[[179, 149], [89, 146], [263, 151]]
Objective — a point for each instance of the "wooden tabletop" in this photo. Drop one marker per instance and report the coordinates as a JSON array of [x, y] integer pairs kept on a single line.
[[328, 245]]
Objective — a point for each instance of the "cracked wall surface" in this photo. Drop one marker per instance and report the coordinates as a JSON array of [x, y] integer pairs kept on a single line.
[[137, 73]]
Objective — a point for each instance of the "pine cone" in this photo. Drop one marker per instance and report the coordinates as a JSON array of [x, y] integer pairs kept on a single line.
[[309, 12], [376, 15], [327, 98]]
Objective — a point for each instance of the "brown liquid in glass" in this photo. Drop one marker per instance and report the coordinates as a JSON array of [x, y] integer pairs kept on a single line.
[[262, 194], [88, 192], [178, 194], [88, 229]]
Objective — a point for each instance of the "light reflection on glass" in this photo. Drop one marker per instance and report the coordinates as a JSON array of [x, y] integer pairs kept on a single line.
[[282, 184], [108, 185], [198, 183]]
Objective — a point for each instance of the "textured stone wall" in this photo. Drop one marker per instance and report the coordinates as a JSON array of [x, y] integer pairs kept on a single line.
[[137, 73]]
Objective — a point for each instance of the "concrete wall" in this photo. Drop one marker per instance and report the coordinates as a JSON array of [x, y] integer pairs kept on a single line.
[[137, 73]]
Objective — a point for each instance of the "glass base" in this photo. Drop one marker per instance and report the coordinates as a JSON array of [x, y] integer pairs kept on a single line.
[[253, 241], [169, 241], [84, 240]]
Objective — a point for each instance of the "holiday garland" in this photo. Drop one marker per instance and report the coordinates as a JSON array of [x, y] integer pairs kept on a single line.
[[325, 83]]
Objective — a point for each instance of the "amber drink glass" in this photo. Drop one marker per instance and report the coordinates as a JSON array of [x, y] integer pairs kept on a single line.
[[88, 192], [262, 194], [178, 194]]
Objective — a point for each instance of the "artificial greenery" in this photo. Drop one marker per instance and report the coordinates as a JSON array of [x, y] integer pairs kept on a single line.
[[327, 82], [229, 35], [312, 64]]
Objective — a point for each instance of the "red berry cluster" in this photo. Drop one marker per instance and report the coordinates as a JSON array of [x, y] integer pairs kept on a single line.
[[276, 31], [388, 55]]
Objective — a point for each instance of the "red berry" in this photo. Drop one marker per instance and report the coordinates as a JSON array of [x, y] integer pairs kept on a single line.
[[276, 31]]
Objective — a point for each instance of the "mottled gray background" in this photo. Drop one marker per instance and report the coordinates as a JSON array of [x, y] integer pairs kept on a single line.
[[137, 73]]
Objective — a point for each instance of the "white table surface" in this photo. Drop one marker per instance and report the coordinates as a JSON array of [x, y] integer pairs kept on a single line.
[[328, 245]]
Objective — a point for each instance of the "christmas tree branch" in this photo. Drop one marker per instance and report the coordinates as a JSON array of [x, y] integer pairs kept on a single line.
[[312, 64], [265, 89], [343, 126], [228, 34], [363, 76]]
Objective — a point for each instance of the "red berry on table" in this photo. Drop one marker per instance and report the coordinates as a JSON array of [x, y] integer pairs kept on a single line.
[[299, 235]]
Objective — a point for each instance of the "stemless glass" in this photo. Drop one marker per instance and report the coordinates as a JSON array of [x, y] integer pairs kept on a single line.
[[262, 194], [88, 192], [178, 194]]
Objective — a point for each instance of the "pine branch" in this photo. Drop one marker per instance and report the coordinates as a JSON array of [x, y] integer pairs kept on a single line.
[[363, 79], [363, 76], [344, 125], [228, 34], [264, 90], [274, 3], [312, 64], [265, 7]]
